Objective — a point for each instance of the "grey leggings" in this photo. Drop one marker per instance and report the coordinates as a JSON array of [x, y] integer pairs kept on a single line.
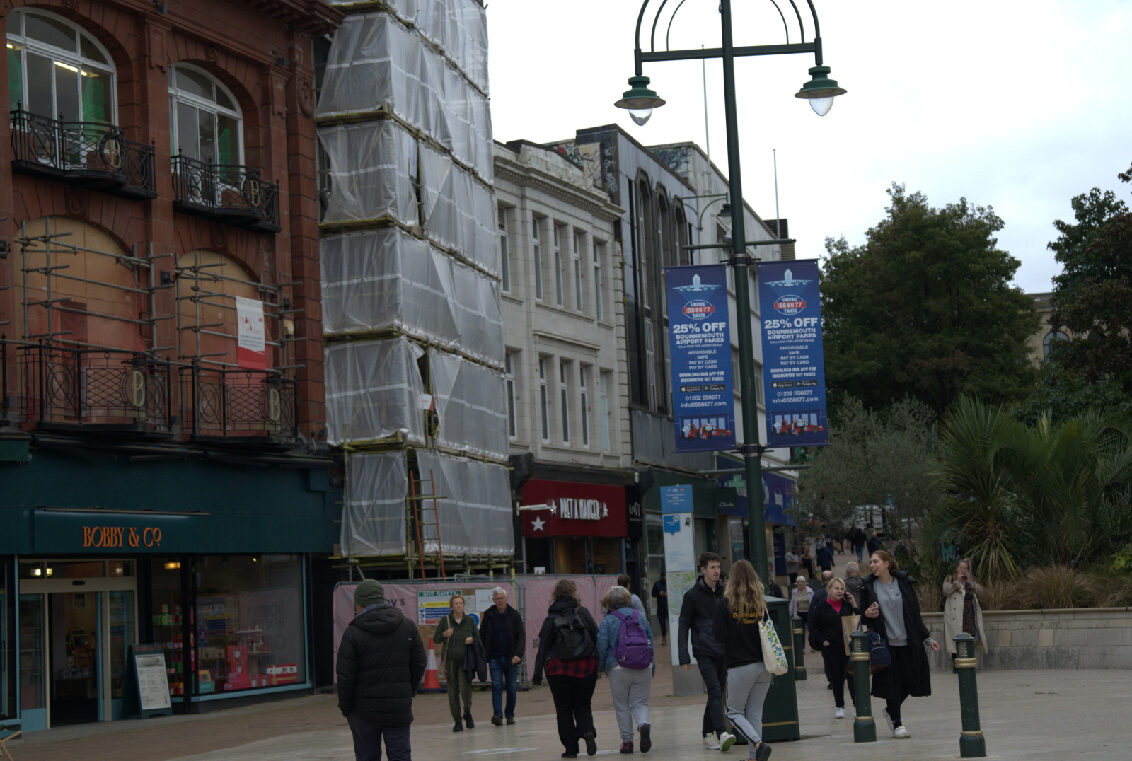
[[746, 690]]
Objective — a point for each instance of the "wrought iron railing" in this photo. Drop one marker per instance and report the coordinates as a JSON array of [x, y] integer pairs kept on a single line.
[[94, 153], [231, 192], [225, 402], [11, 411], [100, 387]]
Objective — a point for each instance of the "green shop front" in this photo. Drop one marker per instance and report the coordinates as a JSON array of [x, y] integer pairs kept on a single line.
[[211, 561]]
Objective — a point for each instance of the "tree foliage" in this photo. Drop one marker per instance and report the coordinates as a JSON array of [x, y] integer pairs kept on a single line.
[[925, 309], [1093, 296], [1020, 496], [872, 457]]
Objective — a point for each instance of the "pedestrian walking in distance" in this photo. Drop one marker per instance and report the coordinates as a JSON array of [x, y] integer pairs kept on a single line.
[[380, 665], [625, 655], [697, 612], [660, 592], [503, 636], [567, 652], [456, 632], [890, 608], [736, 626], [828, 636]]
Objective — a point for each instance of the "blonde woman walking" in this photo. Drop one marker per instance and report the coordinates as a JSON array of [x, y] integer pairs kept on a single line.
[[736, 626]]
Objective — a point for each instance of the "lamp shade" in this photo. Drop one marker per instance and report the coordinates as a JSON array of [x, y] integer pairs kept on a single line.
[[639, 100], [820, 90]]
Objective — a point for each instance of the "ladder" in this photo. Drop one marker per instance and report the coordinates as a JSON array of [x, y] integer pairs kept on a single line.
[[426, 519]]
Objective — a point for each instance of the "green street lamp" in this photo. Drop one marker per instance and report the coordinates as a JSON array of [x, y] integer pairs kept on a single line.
[[640, 100]]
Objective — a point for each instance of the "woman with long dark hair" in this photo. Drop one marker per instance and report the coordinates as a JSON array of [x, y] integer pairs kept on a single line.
[[567, 651], [736, 627], [890, 608]]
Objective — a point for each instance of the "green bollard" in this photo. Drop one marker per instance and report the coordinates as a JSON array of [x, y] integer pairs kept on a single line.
[[864, 728], [972, 744], [799, 650]]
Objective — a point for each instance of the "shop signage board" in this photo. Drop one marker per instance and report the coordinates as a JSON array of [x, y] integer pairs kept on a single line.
[[251, 343], [151, 680], [573, 509], [679, 551], [700, 346], [793, 359]]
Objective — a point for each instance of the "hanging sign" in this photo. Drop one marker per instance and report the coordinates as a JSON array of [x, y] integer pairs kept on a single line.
[[793, 361], [251, 344], [700, 344]]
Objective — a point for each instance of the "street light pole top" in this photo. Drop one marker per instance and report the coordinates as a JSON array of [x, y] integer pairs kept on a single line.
[[820, 90], [639, 100]]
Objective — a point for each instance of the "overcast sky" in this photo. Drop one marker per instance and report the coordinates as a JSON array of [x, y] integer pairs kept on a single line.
[[1014, 104]]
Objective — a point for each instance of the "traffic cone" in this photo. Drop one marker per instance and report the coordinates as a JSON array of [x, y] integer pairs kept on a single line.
[[431, 682]]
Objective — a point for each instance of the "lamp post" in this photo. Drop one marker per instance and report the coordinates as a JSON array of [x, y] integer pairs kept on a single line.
[[639, 100]]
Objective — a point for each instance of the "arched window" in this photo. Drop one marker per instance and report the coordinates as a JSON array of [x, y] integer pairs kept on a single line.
[[1052, 337], [58, 71], [206, 122]]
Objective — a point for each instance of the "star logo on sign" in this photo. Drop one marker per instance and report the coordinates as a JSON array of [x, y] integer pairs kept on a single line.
[[537, 524], [604, 510]]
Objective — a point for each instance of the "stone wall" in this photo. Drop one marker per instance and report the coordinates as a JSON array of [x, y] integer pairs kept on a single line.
[[1076, 638]]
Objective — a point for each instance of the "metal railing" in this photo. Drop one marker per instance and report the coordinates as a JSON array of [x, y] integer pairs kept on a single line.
[[223, 402], [231, 192], [119, 389], [94, 153]]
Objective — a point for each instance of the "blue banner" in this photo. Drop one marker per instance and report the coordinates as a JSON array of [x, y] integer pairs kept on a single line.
[[793, 362], [703, 402]]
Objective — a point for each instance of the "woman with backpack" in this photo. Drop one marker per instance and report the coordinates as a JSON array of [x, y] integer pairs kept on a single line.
[[625, 654], [736, 626], [567, 652]]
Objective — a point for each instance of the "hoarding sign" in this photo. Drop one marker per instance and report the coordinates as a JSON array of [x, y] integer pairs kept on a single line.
[[700, 344], [679, 550], [793, 361]]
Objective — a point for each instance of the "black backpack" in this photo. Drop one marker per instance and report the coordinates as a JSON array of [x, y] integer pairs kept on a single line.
[[572, 639]]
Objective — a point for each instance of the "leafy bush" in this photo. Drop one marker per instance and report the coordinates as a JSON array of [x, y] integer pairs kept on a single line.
[[1112, 591], [1122, 560], [1055, 586]]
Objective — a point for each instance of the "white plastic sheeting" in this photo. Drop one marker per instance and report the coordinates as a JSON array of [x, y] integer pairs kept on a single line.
[[387, 279], [457, 26], [372, 167], [377, 62], [475, 514], [459, 212], [470, 403], [372, 390], [373, 516]]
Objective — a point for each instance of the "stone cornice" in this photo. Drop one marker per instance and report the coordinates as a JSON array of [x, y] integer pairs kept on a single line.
[[592, 200]]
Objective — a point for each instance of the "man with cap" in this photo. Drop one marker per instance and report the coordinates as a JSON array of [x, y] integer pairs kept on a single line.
[[380, 664]]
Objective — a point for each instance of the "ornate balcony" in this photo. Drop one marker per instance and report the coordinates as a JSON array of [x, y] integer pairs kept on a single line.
[[229, 403], [96, 389], [94, 154], [228, 192]]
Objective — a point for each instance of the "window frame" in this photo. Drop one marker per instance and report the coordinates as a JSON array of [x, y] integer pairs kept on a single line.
[[178, 96]]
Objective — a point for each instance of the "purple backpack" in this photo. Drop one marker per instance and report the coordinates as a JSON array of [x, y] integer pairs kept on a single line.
[[633, 649]]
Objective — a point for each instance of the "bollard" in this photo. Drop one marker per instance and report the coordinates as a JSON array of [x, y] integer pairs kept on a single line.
[[864, 728], [799, 650], [972, 744]]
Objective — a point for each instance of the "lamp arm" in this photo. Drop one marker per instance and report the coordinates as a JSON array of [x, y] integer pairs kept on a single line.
[[798, 14], [667, 45], [785, 26], [637, 67], [817, 34], [655, 21]]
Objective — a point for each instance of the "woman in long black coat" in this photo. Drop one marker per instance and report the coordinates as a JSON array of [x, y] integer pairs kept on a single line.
[[827, 635], [890, 607]]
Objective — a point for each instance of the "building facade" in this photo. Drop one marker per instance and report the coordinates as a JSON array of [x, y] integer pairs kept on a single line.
[[565, 373], [161, 480]]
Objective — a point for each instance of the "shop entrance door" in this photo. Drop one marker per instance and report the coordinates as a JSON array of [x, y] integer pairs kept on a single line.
[[73, 662]]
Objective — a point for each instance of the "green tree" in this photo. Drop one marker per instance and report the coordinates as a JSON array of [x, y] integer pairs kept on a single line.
[[925, 309], [872, 457], [1093, 296]]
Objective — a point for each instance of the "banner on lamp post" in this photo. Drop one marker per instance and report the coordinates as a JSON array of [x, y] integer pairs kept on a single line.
[[793, 360], [700, 347]]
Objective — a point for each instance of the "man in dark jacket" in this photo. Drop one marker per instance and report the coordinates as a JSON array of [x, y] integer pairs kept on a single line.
[[697, 612], [380, 664], [503, 636]]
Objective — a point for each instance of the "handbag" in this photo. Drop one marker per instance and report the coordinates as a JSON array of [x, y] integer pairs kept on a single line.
[[879, 656], [774, 657]]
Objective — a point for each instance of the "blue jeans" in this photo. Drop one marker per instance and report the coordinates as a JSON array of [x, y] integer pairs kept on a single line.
[[502, 669]]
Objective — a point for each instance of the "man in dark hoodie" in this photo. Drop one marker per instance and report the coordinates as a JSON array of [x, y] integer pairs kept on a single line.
[[380, 664], [697, 612]]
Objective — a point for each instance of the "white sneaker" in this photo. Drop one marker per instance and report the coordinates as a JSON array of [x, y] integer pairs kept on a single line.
[[726, 740], [901, 731], [711, 742], [839, 713]]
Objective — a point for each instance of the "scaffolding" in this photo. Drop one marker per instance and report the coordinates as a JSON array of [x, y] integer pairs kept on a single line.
[[411, 294]]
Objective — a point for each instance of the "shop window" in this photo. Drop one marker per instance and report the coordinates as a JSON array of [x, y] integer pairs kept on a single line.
[[249, 623], [58, 71], [167, 616]]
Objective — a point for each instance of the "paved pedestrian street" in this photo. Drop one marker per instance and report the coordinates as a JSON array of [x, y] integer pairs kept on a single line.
[[1032, 715]]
